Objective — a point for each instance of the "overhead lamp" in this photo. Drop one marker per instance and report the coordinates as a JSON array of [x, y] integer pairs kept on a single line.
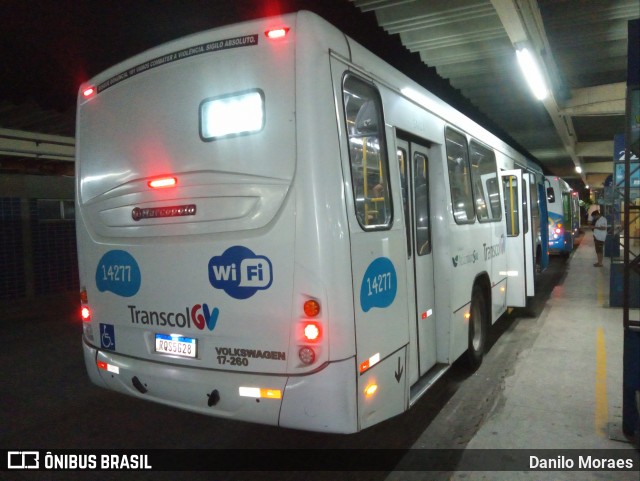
[[532, 73], [578, 169]]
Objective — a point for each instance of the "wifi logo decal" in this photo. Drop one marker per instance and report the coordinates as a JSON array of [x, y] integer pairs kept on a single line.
[[240, 272]]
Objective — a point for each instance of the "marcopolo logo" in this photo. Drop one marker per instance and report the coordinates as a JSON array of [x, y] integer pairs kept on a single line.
[[240, 272]]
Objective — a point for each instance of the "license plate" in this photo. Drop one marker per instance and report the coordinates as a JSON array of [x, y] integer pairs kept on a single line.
[[176, 345]]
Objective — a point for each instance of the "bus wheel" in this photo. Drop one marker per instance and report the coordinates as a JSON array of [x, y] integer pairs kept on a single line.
[[477, 328]]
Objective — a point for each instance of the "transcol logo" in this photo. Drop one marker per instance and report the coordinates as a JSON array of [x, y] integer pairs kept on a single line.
[[200, 315], [240, 272]]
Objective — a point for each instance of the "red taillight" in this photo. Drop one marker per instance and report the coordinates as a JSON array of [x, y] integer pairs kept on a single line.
[[163, 182], [85, 313], [312, 332], [558, 231], [88, 92], [277, 33]]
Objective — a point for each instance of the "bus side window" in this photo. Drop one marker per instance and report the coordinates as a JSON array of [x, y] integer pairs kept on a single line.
[[511, 205], [525, 208], [367, 154], [402, 165], [551, 195], [459, 177], [485, 186], [421, 182]]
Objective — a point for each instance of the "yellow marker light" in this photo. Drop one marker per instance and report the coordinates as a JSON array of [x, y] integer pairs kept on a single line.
[[467, 315], [370, 390]]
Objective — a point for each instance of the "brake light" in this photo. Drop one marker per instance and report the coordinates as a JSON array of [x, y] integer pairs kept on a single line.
[[276, 33], [312, 332], [88, 91], [163, 182]]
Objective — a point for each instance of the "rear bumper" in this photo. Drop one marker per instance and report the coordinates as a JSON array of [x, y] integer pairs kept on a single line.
[[323, 401]]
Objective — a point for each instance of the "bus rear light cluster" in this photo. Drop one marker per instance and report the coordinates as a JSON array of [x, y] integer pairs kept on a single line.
[[85, 312], [85, 315], [310, 332]]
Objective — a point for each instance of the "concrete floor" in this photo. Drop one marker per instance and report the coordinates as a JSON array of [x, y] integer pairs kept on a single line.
[[565, 388]]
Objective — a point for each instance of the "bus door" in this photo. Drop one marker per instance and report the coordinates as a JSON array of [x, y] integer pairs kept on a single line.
[[377, 250], [413, 163], [543, 261], [515, 244], [530, 231]]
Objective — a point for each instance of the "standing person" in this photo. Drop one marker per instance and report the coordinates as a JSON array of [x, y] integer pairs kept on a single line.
[[599, 235]]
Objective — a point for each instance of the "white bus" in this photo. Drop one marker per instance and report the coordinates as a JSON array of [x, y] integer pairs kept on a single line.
[[563, 206], [276, 226]]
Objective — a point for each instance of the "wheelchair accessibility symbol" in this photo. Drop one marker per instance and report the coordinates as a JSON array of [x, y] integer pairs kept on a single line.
[[107, 337]]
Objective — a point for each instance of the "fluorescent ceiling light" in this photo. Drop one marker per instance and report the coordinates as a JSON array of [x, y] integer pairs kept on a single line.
[[532, 73], [578, 169]]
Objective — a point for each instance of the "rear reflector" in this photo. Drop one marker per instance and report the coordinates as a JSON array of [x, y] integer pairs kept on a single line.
[[369, 363], [258, 393], [108, 367]]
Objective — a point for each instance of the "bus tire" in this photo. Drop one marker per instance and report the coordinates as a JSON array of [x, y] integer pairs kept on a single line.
[[478, 325]]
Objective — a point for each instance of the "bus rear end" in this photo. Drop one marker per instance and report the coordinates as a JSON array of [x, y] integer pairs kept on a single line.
[[186, 157]]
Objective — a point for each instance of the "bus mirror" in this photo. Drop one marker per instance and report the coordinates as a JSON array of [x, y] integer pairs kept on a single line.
[[551, 196]]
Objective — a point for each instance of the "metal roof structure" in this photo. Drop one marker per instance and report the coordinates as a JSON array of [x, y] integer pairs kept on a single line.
[[581, 45]]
